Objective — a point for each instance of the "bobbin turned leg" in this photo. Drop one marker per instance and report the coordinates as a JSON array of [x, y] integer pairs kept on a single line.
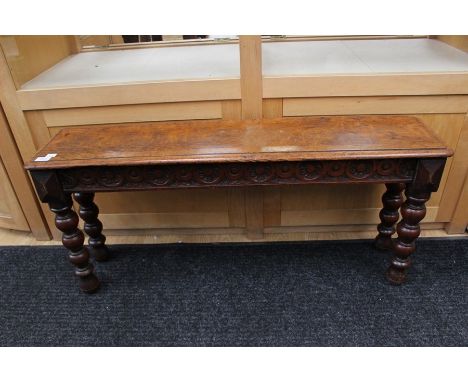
[[89, 212], [66, 220], [412, 211], [426, 180], [50, 190], [392, 201]]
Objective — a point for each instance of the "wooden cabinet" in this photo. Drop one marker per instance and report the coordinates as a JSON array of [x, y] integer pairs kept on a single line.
[[11, 214], [19, 207], [420, 77]]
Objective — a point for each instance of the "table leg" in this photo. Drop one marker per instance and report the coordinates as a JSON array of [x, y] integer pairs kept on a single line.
[[392, 201], [66, 220], [89, 212], [412, 212]]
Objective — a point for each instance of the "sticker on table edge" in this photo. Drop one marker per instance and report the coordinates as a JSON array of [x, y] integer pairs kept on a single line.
[[45, 158]]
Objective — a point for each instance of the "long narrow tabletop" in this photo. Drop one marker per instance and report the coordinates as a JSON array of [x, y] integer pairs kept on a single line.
[[282, 139]]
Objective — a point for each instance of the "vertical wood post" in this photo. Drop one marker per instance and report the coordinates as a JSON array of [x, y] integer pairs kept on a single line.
[[17, 145], [252, 99], [74, 44], [459, 221], [18, 124], [251, 76], [455, 197], [20, 181], [25, 143]]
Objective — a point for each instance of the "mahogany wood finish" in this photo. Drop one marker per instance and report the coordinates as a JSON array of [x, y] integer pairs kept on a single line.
[[219, 141], [418, 192], [49, 190], [89, 212], [118, 178], [396, 150], [392, 201]]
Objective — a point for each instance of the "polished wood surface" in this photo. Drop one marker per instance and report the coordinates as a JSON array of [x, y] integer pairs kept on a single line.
[[389, 215], [89, 212], [282, 139]]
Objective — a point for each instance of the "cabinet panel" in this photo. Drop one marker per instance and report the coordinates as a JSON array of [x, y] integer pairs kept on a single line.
[[165, 209], [16, 189], [11, 214]]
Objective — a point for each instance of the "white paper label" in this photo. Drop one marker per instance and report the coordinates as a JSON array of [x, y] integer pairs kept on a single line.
[[45, 158]]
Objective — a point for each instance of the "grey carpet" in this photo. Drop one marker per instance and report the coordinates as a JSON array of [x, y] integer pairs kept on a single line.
[[281, 294]]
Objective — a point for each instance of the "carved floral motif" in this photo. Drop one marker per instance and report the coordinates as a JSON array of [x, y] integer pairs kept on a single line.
[[236, 174]]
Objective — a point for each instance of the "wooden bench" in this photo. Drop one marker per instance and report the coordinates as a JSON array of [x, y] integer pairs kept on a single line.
[[396, 150]]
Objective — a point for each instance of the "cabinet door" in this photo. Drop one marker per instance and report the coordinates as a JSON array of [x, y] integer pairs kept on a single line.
[[11, 214]]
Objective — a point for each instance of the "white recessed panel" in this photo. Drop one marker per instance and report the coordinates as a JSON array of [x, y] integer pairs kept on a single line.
[[221, 61], [197, 62], [409, 55], [361, 56], [302, 58]]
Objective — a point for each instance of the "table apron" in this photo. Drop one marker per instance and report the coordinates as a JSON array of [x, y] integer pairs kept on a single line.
[[150, 177]]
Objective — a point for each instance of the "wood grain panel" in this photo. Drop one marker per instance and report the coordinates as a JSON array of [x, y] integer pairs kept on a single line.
[[273, 108], [272, 206], [338, 204], [334, 205], [164, 209], [20, 145], [366, 85], [96, 40], [28, 56], [447, 127], [251, 76], [208, 141], [456, 176], [336, 197], [252, 104], [375, 105], [459, 221], [199, 200], [231, 110], [236, 207], [11, 214], [17, 122], [20, 182], [39, 130], [459, 42], [331, 217], [254, 212], [132, 113], [130, 94], [165, 220]]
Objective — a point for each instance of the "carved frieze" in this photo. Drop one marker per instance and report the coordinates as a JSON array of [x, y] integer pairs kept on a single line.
[[236, 174]]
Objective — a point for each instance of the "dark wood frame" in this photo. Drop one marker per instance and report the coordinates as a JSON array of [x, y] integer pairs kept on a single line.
[[418, 177]]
